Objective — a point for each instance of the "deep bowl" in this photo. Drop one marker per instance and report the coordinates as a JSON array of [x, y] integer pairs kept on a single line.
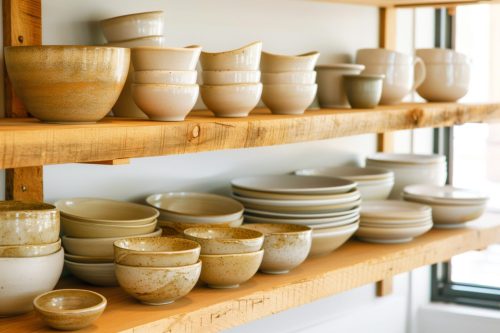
[[231, 100], [288, 98], [215, 240], [245, 58], [132, 26]]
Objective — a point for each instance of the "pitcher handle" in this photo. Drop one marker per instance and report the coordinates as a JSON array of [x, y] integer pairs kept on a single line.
[[420, 73]]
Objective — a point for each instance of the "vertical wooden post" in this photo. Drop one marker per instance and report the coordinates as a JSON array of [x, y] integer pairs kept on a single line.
[[22, 25]]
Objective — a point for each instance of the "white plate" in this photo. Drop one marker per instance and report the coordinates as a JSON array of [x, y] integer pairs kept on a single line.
[[308, 209], [392, 234], [295, 184], [394, 209], [388, 158], [445, 194], [357, 174], [332, 221], [391, 221], [342, 198], [262, 213]]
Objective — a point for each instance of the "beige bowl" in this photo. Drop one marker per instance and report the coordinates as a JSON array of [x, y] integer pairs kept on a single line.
[[70, 309], [288, 98], [96, 247], [230, 77], [78, 229], [87, 259], [165, 77], [275, 63], [180, 226], [324, 241], [231, 100], [165, 58], [150, 41], [229, 270], [28, 223], [246, 58], [165, 102], [97, 274], [133, 26], [158, 285], [306, 77], [156, 252], [22, 279], [29, 250], [67, 84], [215, 240], [286, 246]]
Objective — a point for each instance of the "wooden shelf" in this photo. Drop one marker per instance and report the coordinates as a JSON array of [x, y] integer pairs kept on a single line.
[[415, 3], [209, 310], [28, 142]]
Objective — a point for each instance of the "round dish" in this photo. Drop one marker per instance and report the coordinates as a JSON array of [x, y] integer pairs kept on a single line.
[[445, 194], [225, 240]]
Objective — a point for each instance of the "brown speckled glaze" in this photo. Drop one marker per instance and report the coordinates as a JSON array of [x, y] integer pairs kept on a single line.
[[29, 250], [214, 240]]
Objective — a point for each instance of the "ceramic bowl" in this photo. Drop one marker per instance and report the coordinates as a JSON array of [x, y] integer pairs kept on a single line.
[[87, 260], [246, 58], [96, 247], [391, 235], [331, 93], [39, 75], [156, 252], [231, 100], [150, 41], [133, 26], [29, 250], [165, 58], [193, 207], [230, 77], [165, 77], [215, 240], [158, 285], [28, 223], [360, 175], [379, 191], [288, 98], [79, 229], [165, 102], [229, 270], [69, 309], [324, 241], [97, 274], [306, 77], [286, 246], [275, 63], [180, 226], [22, 279], [363, 91]]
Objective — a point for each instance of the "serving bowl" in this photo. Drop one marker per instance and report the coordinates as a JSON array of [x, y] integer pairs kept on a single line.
[[231, 100], [97, 274], [69, 309], [230, 77], [275, 63], [165, 77], [156, 252], [158, 285], [79, 229], [331, 92], [288, 98], [165, 58], [324, 241], [215, 240], [67, 84], [35, 250], [305, 77], [133, 26], [246, 58]]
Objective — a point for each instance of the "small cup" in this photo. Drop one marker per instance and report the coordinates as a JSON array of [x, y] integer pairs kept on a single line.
[[363, 91]]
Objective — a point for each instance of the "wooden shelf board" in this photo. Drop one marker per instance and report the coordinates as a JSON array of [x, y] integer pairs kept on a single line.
[[29, 142], [413, 3], [209, 310]]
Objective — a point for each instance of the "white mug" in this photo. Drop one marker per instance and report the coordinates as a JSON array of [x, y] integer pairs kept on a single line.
[[403, 73]]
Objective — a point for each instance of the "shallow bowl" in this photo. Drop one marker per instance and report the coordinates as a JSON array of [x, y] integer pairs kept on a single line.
[[97, 274], [363, 91], [215, 240], [324, 241], [29, 250], [246, 58], [79, 229], [275, 63], [165, 58], [288, 98], [181, 226], [231, 100], [150, 41], [133, 26]]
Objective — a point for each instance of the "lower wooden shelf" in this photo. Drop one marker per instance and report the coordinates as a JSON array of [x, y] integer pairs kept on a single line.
[[209, 310]]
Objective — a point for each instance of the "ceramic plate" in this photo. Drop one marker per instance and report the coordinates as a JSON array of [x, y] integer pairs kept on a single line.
[[340, 199], [357, 174], [445, 194], [387, 158], [333, 221], [287, 196], [262, 213], [311, 209], [394, 209]]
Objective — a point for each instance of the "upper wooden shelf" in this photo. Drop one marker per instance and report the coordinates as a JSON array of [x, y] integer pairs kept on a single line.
[[415, 3], [210, 310], [29, 142]]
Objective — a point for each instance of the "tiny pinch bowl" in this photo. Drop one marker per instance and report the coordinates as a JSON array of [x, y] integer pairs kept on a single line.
[[69, 309], [221, 240]]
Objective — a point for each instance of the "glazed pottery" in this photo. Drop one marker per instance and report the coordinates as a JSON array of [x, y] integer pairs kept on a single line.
[[165, 58], [231, 100], [230, 77], [135, 25], [29, 250], [275, 63], [97, 274], [165, 77], [363, 91], [79, 229], [331, 93], [324, 241], [303, 77], [181, 226], [246, 58], [150, 41], [288, 98], [215, 240], [87, 260]]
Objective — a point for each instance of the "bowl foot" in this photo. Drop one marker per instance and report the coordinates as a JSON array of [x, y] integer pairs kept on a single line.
[[157, 303], [285, 271], [230, 286]]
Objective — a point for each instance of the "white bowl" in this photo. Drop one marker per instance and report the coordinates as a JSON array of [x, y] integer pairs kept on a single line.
[[133, 26], [165, 77], [230, 77], [150, 41], [306, 77], [232, 100], [446, 195], [79, 229], [165, 58], [376, 192], [165, 102], [324, 241], [288, 98], [391, 235], [22, 279], [275, 63], [356, 174], [246, 58], [97, 274], [331, 93]]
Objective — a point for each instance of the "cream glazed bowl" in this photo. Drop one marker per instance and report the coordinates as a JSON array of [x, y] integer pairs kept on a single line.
[[275, 63], [223, 240], [165, 77], [305, 77], [286, 246], [288, 98], [232, 100], [165, 58], [133, 26], [29, 250], [230, 77], [246, 58]]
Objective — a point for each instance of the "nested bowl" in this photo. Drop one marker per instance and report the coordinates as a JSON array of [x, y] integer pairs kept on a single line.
[[37, 250], [245, 58], [79, 229], [220, 240], [133, 26]]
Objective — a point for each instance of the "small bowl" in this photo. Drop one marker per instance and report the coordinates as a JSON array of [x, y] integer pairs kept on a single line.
[[28, 223], [246, 58], [156, 252], [165, 77], [324, 241], [97, 274], [18, 251], [215, 240], [165, 58], [288, 98], [69, 309], [231, 100], [363, 91], [230, 77], [133, 26], [150, 41], [306, 77], [165, 102], [275, 63], [158, 285], [286, 246], [229, 270], [79, 229]]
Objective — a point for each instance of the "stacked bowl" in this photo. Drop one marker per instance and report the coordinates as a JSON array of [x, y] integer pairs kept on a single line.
[[231, 80], [164, 79], [91, 225], [393, 222], [330, 206], [411, 169], [182, 210], [372, 183], [289, 82], [451, 206], [31, 257], [157, 270], [230, 256]]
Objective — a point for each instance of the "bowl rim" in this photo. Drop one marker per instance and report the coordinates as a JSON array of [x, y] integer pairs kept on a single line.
[[305, 229], [227, 255], [252, 44], [157, 230], [105, 21], [255, 237], [165, 268], [188, 48], [36, 207], [102, 304], [195, 245], [310, 54]]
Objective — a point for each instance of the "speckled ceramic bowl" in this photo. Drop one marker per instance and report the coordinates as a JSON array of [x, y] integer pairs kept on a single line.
[[19, 251], [69, 309], [225, 240], [158, 285]]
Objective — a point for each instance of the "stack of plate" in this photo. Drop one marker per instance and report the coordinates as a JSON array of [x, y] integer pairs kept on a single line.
[[452, 207], [391, 221], [372, 183], [328, 205]]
